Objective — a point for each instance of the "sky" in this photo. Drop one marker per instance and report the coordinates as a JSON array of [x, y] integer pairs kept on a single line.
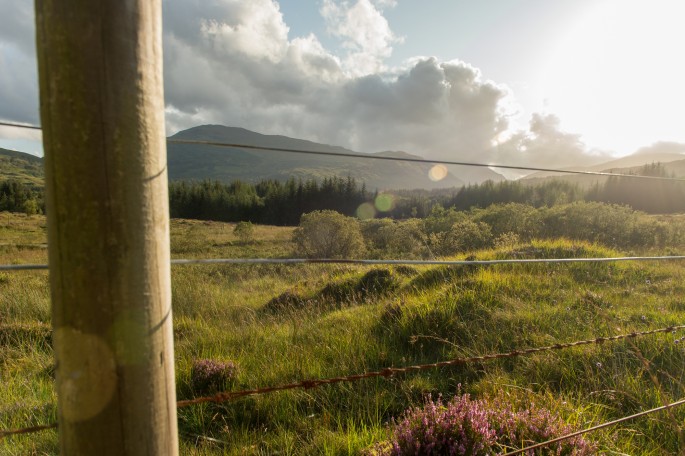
[[528, 82]]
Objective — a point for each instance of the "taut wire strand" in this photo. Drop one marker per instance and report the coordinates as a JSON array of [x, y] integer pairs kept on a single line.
[[200, 261]]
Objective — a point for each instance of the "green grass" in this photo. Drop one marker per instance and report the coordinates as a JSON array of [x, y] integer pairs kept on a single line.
[[335, 323]]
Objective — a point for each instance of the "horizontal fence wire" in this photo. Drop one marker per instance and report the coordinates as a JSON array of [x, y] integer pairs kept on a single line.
[[200, 261], [386, 372], [429, 161], [19, 125], [595, 428]]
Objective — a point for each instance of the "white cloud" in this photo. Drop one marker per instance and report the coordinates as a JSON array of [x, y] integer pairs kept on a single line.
[[364, 31], [254, 28], [297, 87], [545, 144], [232, 62]]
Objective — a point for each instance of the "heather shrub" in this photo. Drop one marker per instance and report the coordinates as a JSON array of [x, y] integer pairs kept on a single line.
[[466, 426], [209, 376]]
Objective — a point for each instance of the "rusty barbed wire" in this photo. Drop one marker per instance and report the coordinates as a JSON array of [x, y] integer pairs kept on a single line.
[[28, 430], [391, 371], [386, 372]]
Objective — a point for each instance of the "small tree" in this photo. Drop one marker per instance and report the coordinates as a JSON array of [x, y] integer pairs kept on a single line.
[[244, 231], [328, 234]]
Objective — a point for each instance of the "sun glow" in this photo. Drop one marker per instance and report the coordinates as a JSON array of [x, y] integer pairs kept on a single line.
[[618, 75]]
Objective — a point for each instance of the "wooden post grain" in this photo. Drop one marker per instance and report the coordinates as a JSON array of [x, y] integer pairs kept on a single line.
[[102, 112]]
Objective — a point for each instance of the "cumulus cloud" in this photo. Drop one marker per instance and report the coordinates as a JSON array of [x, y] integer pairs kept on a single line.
[[235, 63], [439, 109], [296, 86], [364, 31], [545, 144], [662, 147]]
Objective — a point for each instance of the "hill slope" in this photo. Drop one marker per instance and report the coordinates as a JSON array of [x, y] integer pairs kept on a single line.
[[190, 161], [21, 167], [671, 155]]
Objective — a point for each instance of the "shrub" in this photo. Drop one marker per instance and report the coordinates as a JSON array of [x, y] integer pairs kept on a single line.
[[465, 236], [608, 224], [478, 427], [520, 219], [209, 376], [403, 238], [244, 231], [328, 234], [441, 220], [375, 232]]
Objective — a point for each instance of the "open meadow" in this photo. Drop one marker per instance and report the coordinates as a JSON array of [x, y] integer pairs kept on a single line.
[[276, 324]]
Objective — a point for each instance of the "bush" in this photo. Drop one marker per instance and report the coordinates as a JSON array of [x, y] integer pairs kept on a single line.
[[478, 427], [375, 232], [441, 220], [244, 231], [520, 219], [465, 236], [405, 239], [208, 376], [608, 224], [328, 234]]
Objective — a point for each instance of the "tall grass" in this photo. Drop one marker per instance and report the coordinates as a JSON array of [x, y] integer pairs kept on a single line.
[[342, 325]]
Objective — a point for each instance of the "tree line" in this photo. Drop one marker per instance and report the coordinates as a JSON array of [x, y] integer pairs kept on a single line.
[[282, 203], [268, 202], [18, 197]]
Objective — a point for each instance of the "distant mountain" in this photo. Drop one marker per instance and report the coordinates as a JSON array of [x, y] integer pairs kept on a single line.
[[21, 167], [671, 155], [226, 164], [193, 161]]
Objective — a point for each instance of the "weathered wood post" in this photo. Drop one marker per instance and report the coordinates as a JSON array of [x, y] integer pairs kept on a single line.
[[102, 112]]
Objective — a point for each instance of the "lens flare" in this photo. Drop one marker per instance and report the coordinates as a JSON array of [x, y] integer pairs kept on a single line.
[[437, 173], [385, 202], [366, 211]]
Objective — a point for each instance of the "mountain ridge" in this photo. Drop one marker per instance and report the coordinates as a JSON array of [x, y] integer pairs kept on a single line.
[[230, 163]]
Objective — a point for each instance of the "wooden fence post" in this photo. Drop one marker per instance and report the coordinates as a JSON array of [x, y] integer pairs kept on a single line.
[[102, 112]]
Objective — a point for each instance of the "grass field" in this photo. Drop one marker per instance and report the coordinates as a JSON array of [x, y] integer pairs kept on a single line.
[[281, 324]]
